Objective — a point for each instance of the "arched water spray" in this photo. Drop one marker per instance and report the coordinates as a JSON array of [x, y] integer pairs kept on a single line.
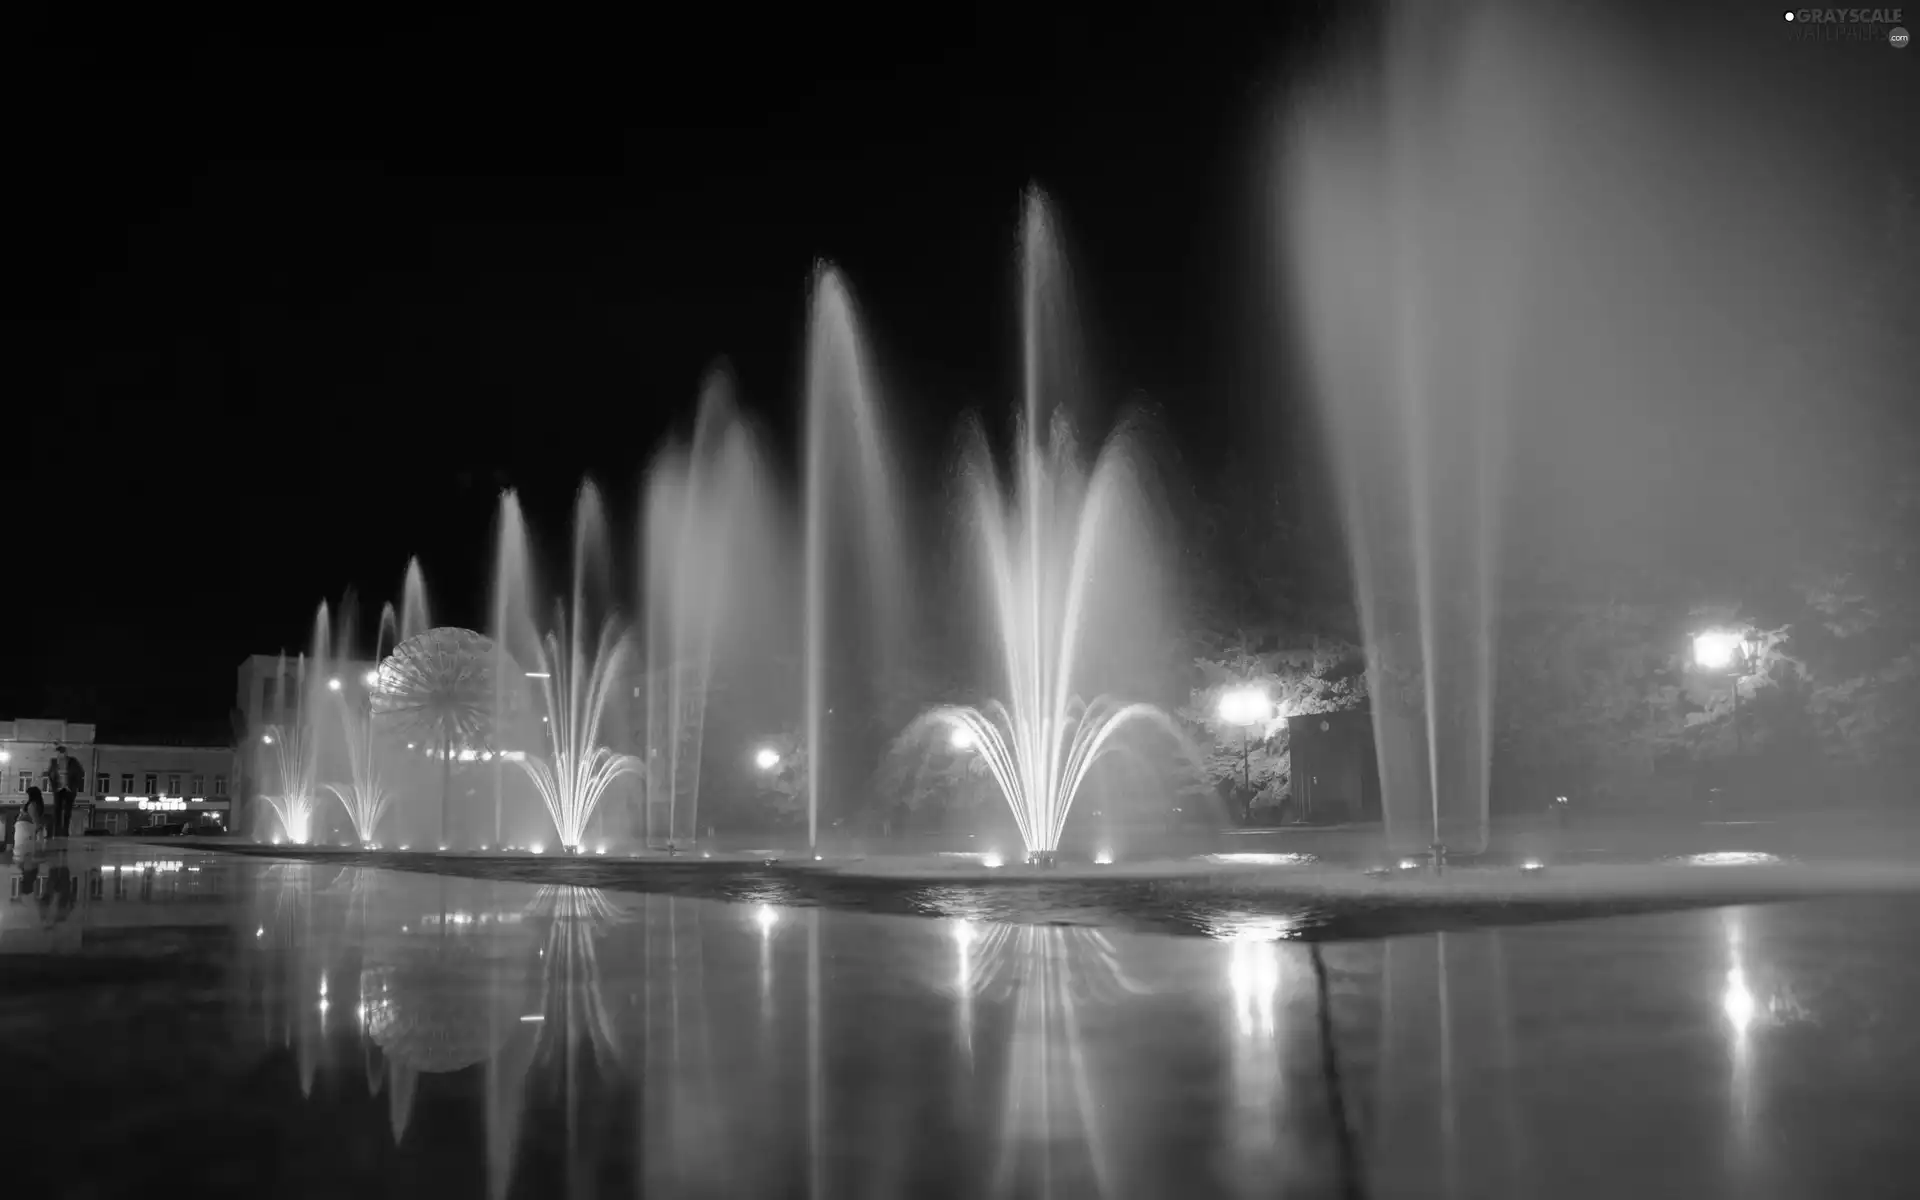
[[576, 677], [1047, 532], [290, 749], [846, 478]]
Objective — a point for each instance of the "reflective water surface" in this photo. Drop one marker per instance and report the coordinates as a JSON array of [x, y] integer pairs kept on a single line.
[[244, 1026]]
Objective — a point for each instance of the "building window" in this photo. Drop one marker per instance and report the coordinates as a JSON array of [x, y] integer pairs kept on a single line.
[[26, 780], [126, 785], [219, 785], [103, 784], [153, 783], [199, 786], [173, 785]]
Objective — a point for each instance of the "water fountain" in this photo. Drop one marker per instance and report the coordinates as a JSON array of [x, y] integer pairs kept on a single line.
[[576, 678], [366, 793], [1407, 213], [709, 544], [290, 749], [847, 480], [1052, 538], [576, 670]]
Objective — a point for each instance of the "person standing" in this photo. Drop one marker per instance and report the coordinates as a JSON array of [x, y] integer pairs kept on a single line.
[[64, 777]]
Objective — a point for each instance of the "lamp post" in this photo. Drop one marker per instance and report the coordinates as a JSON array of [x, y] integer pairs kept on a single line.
[[1245, 707], [1726, 650]]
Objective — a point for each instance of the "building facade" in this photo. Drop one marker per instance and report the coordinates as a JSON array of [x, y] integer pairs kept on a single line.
[[128, 786]]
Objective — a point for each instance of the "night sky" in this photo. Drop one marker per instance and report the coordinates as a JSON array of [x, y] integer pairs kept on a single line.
[[278, 317]]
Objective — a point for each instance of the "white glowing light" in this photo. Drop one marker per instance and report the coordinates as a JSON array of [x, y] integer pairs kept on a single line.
[[1408, 864], [1245, 706], [963, 932], [469, 755], [266, 739], [539, 674], [537, 848], [766, 916], [407, 847], [443, 849], [533, 1018], [260, 932], [766, 758], [1532, 864], [600, 849], [817, 858], [1716, 649], [1103, 858], [486, 756], [371, 679], [991, 859], [333, 685], [961, 738], [409, 745]]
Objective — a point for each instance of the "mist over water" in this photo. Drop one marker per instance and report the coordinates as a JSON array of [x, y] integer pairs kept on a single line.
[[1541, 267]]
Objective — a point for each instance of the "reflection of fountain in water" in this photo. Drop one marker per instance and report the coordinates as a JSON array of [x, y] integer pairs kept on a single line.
[[1050, 974]]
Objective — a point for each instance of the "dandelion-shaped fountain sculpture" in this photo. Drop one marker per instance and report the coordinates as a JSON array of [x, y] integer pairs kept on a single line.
[[365, 794], [438, 686], [576, 684]]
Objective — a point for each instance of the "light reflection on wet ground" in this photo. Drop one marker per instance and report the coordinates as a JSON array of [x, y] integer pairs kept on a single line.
[[243, 1026]]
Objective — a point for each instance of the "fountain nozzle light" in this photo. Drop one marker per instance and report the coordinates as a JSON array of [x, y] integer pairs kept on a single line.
[[1042, 858]]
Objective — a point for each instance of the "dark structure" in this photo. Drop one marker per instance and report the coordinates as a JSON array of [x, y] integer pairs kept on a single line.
[[1336, 777]]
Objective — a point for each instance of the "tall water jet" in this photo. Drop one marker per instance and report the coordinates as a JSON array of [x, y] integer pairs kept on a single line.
[[414, 618], [846, 478], [1408, 214], [512, 626], [1055, 541], [708, 556]]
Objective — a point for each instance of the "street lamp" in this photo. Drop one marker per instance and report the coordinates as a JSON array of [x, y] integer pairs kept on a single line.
[[1245, 707], [1727, 650]]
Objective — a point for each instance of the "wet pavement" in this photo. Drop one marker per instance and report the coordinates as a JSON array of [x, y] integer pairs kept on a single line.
[[215, 1024]]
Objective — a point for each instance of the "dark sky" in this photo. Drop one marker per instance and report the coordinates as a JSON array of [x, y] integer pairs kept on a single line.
[[285, 306]]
